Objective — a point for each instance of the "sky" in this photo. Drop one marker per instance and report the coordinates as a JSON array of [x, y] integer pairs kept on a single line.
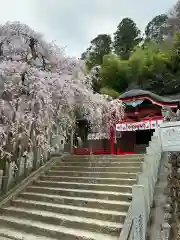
[[74, 23]]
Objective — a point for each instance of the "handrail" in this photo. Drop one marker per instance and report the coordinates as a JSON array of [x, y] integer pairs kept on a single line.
[[135, 225], [127, 225]]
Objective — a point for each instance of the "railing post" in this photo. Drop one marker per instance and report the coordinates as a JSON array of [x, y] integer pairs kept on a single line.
[[143, 180], [139, 212], [1, 180], [151, 179], [165, 232], [7, 178], [150, 157]]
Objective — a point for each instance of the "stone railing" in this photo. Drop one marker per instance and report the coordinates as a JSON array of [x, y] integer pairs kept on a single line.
[[136, 222], [12, 173]]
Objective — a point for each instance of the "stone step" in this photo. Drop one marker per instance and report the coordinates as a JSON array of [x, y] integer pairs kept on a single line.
[[98, 180], [85, 186], [80, 197], [100, 164], [92, 174], [69, 221], [49, 230], [107, 159], [12, 234], [5, 238], [99, 214], [97, 169], [127, 156], [122, 196], [121, 206]]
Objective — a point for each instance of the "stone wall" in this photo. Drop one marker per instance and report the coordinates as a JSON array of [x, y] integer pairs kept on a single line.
[[173, 195]]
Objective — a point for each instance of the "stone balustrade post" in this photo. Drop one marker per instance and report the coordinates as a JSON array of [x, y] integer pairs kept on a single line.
[[165, 233], [150, 157], [144, 180], [151, 176], [138, 213]]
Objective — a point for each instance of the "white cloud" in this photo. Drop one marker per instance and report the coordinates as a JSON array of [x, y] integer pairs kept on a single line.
[[73, 23]]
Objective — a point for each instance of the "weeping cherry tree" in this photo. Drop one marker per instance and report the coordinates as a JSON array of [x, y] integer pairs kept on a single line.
[[40, 90]]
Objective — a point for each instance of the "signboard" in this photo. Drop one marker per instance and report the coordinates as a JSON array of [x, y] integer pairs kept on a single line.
[[170, 136], [144, 125], [97, 136]]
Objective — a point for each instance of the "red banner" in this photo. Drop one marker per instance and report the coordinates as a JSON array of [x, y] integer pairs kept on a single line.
[[144, 125]]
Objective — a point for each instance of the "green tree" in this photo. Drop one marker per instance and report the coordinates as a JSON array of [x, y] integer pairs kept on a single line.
[[173, 20], [175, 55], [150, 68], [156, 28], [114, 73], [126, 38], [153, 65], [109, 91], [100, 46], [95, 78]]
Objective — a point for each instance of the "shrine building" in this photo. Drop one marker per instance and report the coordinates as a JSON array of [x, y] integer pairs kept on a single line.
[[143, 113]]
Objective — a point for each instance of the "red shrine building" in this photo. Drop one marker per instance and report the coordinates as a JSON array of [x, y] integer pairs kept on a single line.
[[143, 114]]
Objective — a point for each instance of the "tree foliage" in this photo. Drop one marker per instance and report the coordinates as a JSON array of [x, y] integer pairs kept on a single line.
[[174, 20], [99, 47], [109, 91], [114, 73], [151, 63], [126, 37], [156, 28], [149, 68]]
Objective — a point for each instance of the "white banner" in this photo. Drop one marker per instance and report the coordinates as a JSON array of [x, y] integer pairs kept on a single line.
[[118, 127], [124, 127], [129, 127], [159, 122], [147, 125], [141, 126], [153, 124], [144, 125]]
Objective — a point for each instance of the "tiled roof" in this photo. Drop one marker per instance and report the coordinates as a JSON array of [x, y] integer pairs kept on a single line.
[[140, 92]]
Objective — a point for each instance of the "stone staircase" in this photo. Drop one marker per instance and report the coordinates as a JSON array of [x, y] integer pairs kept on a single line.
[[140, 148], [79, 198]]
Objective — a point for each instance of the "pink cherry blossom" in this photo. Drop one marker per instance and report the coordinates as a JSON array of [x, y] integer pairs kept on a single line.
[[40, 91]]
